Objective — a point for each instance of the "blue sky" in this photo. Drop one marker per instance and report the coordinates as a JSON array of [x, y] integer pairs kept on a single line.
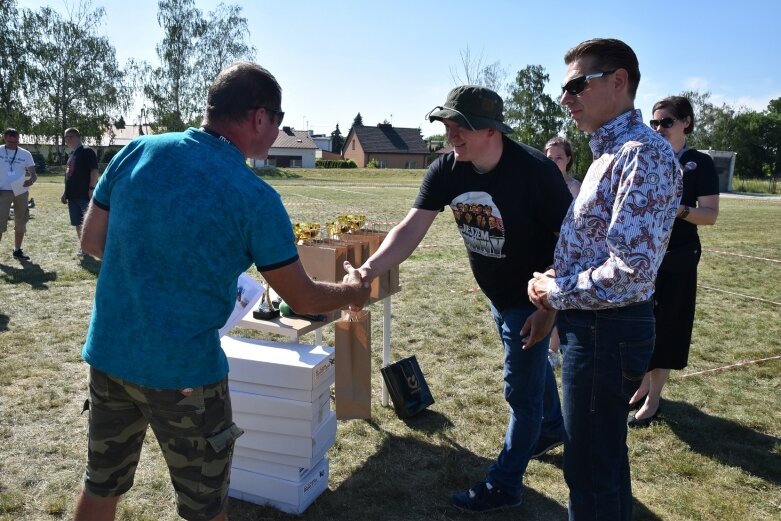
[[393, 60]]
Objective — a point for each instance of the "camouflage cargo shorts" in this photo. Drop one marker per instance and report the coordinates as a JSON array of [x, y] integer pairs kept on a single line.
[[194, 430]]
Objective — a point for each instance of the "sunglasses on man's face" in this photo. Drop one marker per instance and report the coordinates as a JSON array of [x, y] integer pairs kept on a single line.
[[280, 114], [575, 86], [664, 123]]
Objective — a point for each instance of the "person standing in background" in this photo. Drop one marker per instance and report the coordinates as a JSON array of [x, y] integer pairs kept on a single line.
[[16, 163], [81, 176], [559, 150], [676, 284]]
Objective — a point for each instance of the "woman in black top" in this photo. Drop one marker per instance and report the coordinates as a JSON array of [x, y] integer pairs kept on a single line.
[[676, 282]]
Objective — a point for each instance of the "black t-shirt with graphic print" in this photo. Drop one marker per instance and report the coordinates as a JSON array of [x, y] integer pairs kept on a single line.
[[508, 217], [77, 173]]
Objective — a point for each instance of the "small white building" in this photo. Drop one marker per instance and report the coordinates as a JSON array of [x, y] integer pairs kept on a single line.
[[322, 142], [292, 149]]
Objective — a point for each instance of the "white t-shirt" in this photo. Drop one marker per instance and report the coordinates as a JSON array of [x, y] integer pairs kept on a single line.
[[14, 164]]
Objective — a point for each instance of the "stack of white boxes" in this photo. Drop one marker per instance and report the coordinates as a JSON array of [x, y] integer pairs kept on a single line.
[[281, 399]]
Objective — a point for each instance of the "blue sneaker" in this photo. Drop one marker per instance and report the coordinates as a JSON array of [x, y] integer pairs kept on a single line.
[[484, 497]]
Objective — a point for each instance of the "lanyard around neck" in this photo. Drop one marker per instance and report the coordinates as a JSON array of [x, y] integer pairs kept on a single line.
[[219, 136], [13, 159]]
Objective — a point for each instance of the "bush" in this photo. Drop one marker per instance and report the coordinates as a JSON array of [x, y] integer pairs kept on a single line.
[[372, 164], [40, 162], [335, 163], [108, 155], [56, 158]]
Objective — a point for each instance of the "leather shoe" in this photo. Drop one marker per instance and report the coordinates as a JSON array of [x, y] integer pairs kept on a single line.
[[633, 406], [634, 423]]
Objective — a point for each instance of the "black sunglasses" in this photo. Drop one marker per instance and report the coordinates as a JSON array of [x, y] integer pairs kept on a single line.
[[664, 123], [280, 114], [577, 85]]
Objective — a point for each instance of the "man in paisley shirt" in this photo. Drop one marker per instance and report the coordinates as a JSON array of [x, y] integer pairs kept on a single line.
[[612, 242]]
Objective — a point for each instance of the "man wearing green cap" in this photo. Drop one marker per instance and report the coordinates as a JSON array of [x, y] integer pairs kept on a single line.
[[509, 201]]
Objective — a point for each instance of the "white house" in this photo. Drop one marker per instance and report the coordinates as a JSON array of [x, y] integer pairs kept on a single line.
[[292, 148]]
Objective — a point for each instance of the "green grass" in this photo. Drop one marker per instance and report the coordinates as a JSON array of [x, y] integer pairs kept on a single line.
[[716, 455], [755, 186]]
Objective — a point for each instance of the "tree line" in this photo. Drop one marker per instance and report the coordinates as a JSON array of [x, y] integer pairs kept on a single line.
[[58, 71], [536, 117]]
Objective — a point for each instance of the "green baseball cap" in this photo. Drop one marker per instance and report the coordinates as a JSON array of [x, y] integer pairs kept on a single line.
[[473, 107]]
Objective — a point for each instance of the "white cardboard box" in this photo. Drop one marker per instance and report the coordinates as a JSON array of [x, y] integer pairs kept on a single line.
[[266, 446], [275, 391], [278, 364], [289, 496], [304, 446], [247, 453], [271, 406], [269, 468], [282, 424]]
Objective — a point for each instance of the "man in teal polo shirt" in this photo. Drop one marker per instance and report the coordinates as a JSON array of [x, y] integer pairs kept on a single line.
[[176, 219]]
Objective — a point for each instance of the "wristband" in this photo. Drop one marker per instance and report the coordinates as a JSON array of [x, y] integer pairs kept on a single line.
[[685, 212]]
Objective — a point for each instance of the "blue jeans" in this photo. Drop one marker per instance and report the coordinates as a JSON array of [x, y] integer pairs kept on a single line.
[[530, 390], [605, 355]]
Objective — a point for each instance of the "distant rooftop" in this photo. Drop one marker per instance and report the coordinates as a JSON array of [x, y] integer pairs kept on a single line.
[[291, 138], [385, 138]]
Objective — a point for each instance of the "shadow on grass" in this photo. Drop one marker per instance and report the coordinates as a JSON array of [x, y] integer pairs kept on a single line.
[[30, 273], [725, 441], [639, 511], [413, 480], [4, 320], [90, 264], [428, 421], [409, 479]]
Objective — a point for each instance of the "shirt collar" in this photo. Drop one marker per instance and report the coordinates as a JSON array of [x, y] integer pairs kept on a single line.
[[607, 134]]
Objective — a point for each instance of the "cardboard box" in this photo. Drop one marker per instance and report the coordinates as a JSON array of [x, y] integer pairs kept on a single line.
[[289, 496], [279, 364], [393, 280], [361, 245], [247, 453], [297, 446], [321, 441], [384, 284], [270, 468], [281, 424], [322, 260], [304, 395], [258, 404]]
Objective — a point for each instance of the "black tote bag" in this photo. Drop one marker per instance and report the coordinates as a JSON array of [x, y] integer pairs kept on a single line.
[[407, 387]]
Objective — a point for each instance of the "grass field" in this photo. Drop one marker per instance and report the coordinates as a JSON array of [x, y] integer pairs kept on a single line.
[[716, 455]]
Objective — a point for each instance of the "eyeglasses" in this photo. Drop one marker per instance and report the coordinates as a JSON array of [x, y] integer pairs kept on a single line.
[[664, 123], [577, 85], [280, 114], [439, 107]]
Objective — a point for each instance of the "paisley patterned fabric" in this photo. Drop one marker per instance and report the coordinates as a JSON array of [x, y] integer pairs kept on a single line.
[[615, 233]]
